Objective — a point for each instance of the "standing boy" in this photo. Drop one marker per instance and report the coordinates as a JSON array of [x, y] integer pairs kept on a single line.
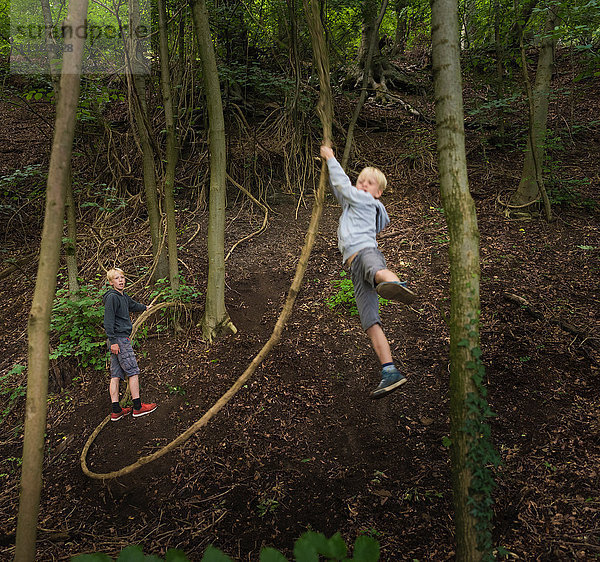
[[117, 323], [363, 217]]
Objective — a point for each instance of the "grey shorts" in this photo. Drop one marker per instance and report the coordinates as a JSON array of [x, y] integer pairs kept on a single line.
[[362, 270], [124, 363]]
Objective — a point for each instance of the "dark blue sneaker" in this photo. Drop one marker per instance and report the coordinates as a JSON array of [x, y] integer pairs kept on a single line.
[[396, 291], [391, 379]]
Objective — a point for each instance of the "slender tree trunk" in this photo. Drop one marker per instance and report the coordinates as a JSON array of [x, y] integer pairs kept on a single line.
[[464, 257], [363, 92], [369, 17], [135, 74], [172, 153], [294, 59], [180, 66], [71, 243], [531, 185], [467, 17], [401, 28], [51, 47], [216, 321], [523, 13], [499, 65], [45, 287]]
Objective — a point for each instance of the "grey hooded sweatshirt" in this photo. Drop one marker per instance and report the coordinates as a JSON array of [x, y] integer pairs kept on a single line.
[[363, 216], [117, 307]]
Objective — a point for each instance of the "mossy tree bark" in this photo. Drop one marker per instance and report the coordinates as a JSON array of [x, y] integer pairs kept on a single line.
[[45, 287], [464, 257], [369, 17], [216, 321]]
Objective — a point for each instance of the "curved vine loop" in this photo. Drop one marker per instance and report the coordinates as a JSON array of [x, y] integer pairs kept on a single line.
[[516, 212], [325, 111]]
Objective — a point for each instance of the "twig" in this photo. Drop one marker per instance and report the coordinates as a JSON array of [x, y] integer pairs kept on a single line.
[[265, 220], [540, 316]]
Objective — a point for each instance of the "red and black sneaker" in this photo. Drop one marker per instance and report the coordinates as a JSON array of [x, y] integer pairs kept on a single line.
[[145, 409], [124, 412]]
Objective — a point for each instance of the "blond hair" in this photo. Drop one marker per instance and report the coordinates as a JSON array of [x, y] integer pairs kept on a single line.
[[375, 173], [111, 273]]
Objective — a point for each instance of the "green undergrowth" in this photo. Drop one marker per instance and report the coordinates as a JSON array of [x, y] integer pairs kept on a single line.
[[185, 292], [310, 547], [343, 298], [12, 387], [77, 323]]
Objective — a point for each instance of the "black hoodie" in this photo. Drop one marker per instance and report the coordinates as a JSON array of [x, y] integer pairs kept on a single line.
[[117, 307]]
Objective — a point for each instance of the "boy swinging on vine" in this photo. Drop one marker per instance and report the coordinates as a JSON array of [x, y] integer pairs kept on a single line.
[[363, 217]]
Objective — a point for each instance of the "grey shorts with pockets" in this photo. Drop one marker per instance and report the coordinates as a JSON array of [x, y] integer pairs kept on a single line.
[[364, 266], [123, 363]]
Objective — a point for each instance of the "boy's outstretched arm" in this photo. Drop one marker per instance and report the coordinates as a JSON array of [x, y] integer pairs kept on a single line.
[[338, 180]]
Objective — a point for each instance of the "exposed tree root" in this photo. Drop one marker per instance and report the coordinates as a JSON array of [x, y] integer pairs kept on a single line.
[[384, 75]]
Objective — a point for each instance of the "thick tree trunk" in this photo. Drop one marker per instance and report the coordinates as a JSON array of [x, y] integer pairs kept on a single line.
[[362, 66], [295, 62], [45, 287], [172, 153], [531, 184], [464, 257], [135, 74], [216, 321]]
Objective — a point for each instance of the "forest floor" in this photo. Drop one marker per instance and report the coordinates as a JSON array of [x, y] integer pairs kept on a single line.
[[301, 446]]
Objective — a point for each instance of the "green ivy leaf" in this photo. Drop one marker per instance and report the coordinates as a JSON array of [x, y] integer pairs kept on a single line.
[[272, 555], [308, 545], [366, 549], [336, 547]]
